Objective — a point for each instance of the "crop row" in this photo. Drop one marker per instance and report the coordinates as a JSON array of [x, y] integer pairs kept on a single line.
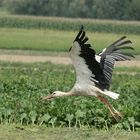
[[21, 88], [108, 26]]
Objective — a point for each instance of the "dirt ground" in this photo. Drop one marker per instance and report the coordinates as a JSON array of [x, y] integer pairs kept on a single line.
[[34, 58], [55, 59]]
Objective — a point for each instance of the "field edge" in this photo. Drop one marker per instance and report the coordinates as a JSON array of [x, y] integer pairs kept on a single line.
[[20, 132]]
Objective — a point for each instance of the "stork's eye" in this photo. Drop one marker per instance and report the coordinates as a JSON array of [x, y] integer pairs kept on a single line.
[[53, 93]]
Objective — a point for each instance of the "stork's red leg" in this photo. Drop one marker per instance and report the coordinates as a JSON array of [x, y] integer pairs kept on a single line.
[[116, 114]]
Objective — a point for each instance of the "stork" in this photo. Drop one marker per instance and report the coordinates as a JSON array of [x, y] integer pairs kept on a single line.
[[94, 70]]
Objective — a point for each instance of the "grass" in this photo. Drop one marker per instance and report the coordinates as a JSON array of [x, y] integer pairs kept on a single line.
[[3, 12], [54, 40], [18, 132], [129, 70], [34, 39]]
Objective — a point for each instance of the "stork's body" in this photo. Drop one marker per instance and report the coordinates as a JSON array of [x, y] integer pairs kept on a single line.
[[94, 71]]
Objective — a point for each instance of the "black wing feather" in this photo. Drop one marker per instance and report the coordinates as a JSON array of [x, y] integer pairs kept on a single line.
[[102, 70], [88, 55], [114, 53]]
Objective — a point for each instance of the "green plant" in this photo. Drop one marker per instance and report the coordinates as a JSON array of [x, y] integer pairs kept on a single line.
[[106, 26], [23, 85]]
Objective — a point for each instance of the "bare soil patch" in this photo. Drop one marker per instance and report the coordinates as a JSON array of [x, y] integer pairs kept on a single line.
[[34, 58], [56, 59]]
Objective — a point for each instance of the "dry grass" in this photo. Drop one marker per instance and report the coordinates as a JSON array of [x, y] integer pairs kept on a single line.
[[16, 132]]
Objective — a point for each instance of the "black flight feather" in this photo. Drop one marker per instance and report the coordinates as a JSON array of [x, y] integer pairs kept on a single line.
[[88, 55], [102, 71], [115, 52]]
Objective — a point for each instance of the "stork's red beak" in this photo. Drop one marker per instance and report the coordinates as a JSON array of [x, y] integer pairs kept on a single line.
[[47, 98]]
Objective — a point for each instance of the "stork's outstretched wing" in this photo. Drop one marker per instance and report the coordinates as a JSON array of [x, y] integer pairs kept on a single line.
[[111, 54], [88, 70], [96, 69]]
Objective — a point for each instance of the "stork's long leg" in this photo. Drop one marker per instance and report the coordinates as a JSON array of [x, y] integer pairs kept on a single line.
[[116, 114]]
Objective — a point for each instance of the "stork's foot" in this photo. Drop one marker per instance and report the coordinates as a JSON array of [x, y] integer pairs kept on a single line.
[[116, 115]]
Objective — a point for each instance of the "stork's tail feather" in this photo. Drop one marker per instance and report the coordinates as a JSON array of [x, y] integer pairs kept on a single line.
[[111, 94]]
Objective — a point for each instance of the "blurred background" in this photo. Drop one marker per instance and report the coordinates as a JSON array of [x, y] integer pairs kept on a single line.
[[97, 9], [115, 18]]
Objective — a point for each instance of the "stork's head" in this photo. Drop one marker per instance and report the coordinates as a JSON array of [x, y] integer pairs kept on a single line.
[[54, 95]]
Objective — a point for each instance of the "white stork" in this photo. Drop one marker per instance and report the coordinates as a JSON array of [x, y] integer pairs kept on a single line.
[[94, 71]]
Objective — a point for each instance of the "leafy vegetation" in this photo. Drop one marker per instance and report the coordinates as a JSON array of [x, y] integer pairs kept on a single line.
[[56, 41], [23, 85], [107, 26]]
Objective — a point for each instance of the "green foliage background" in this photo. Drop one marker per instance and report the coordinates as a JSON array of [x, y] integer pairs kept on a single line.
[[101, 9], [23, 85]]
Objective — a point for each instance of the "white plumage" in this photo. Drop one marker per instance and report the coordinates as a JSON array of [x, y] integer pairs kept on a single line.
[[94, 71]]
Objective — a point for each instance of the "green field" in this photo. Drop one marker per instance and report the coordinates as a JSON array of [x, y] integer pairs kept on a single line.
[[23, 85], [56, 40], [65, 24], [57, 34]]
